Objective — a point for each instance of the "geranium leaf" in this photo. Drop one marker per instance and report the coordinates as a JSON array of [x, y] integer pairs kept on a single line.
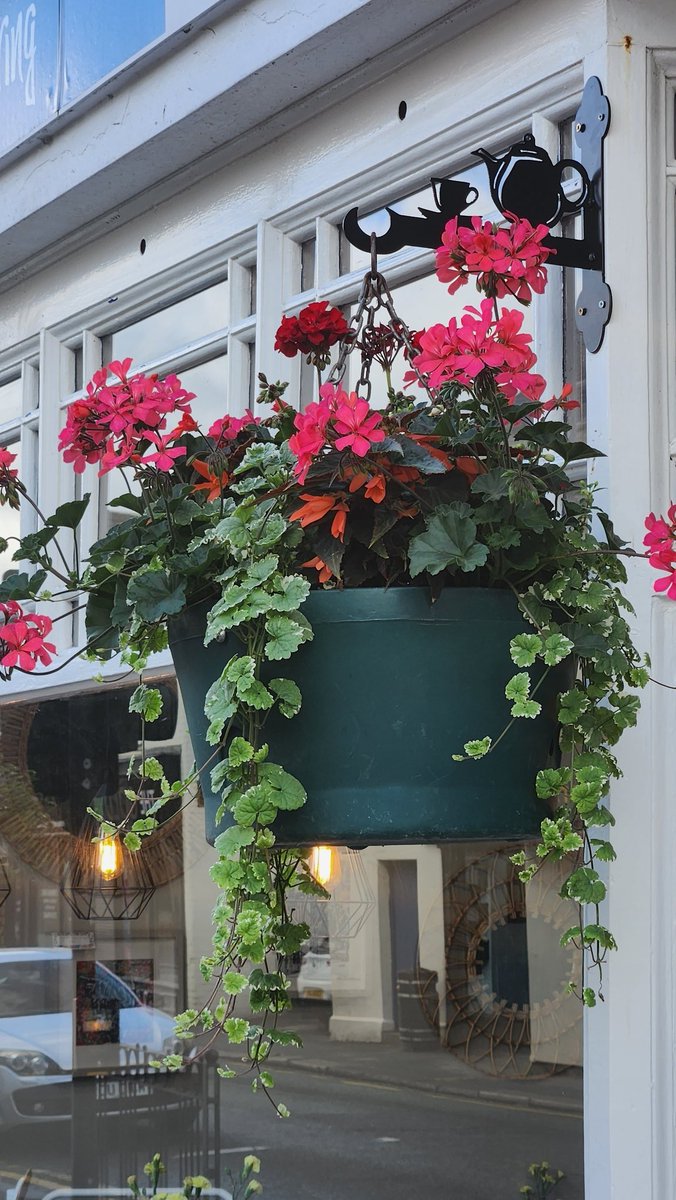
[[155, 595], [449, 541]]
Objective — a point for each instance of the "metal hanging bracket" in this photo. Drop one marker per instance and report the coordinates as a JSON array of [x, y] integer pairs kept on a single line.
[[524, 182]]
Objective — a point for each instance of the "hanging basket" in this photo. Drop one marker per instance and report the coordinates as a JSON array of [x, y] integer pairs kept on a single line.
[[393, 685]]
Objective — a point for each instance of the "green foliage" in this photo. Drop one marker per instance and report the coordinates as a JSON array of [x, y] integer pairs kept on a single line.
[[242, 1185], [449, 541], [544, 1180]]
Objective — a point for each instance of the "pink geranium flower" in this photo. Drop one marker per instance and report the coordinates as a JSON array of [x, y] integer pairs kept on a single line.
[[117, 414], [357, 426], [165, 455], [22, 639], [660, 541]]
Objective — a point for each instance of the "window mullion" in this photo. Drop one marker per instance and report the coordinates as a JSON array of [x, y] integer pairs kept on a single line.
[[275, 281], [55, 478]]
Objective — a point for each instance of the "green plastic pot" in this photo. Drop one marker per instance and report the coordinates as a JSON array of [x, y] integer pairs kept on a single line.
[[393, 685]]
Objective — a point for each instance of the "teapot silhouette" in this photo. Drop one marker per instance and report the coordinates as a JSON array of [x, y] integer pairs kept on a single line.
[[526, 182]]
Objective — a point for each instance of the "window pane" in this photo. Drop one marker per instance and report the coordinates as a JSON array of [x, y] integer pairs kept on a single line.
[[308, 253], [11, 398], [209, 382], [157, 335]]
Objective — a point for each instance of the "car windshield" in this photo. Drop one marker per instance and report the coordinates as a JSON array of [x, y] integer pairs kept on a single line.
[[30, 988]]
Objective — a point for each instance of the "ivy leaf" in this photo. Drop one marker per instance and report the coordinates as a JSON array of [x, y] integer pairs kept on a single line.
[[556, 648], [571, 706], [449, 541], [254, 693], [151, 768], [288, 696], [132, 841], [219, 706], [286, 791], [237, 1029], [551, 781], [524, 648], [478, 747], [603, 850], [255, 805], [586, 886], [146, 701], [284, 636], [234, 982], [518, 690], [232, 839], [290, 592], [599, 933], [240, 751]]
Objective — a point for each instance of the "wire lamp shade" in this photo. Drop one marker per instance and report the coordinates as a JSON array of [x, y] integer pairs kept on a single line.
[[105, 881]]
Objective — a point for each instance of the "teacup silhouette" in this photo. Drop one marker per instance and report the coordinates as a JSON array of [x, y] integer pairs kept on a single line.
[[453, 195]]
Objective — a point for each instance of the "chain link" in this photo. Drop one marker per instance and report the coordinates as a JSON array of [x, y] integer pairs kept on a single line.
[[374, 296]]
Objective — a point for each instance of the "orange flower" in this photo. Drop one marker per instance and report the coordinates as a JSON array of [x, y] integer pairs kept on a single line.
[[359, 478], [313, 508], [324, 573], [375, 489], [375, 485], [213, 484], [338, 522]]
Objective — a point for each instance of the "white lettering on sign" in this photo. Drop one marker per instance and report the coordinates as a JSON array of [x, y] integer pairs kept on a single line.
[[17, 52]]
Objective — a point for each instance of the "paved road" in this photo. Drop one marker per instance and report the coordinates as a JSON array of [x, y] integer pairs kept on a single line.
[[357, 1141]]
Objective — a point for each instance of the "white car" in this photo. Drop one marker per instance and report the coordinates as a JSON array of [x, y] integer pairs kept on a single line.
[[37, 1002], [313, 981]]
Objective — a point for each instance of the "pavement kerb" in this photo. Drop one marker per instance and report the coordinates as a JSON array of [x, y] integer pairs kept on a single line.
[[321, 1067]]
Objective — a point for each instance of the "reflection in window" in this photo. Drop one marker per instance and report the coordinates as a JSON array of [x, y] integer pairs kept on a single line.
[[187, 321]]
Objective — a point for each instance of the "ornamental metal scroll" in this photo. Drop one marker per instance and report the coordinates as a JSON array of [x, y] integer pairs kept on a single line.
[[525, 182]]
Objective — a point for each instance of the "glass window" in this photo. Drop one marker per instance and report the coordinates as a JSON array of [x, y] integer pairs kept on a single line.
[[156, 336], [308, 255], [11, 400], [209, 382], [431, 988]]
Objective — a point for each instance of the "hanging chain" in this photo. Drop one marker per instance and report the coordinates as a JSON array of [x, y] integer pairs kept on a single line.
[[374, 295]]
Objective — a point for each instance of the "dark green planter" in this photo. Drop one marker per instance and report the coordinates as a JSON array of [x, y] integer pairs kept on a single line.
[[392, 686]]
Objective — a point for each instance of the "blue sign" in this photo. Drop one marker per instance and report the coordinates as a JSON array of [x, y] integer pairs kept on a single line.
[[51, 51]]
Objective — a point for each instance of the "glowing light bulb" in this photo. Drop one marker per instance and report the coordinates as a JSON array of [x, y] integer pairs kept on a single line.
[[322, 864], [109, 853]]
